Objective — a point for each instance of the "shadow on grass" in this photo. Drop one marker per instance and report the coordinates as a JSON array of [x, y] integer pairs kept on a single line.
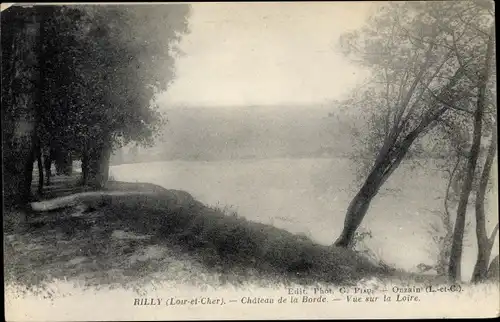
[[170, 227]]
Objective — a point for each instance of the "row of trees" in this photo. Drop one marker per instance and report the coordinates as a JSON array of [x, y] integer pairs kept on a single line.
[[80, 81], [432, 87]]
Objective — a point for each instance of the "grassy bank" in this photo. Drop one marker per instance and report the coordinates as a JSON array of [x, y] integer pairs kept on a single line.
[[144, 232]]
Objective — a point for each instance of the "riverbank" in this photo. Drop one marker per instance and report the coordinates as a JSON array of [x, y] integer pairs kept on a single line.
[[134, 242], [131, 233]]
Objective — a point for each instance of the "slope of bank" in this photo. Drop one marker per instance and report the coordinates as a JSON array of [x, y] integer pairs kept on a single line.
[[131, 232]]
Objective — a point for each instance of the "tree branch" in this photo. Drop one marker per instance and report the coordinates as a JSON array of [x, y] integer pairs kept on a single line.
[[476, 28], [388, 115], [426, 86], [491, 239], [418, 77], [461, 60], [451, 106]]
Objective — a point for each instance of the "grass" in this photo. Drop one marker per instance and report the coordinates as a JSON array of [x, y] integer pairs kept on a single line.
[[162, 243], [152, 232]]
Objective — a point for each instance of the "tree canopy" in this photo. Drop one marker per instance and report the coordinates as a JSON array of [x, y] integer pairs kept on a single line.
[[425, 61], [96, 70]]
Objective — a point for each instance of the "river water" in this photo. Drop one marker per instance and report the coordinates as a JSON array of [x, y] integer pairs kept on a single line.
[[310, 196]]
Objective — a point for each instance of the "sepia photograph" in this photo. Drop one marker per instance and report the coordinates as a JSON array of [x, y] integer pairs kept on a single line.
[[249, 160]]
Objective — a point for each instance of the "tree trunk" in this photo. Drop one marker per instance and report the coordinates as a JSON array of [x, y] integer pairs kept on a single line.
[[386, 163], [99, 157], [355, 213], [359, 205], [493, 270], [66, 163], [59, 161], [28, 175], [444, 246], [454, 269], [484, 243], [28, 106], [451, 180], [104, 165], [40, 170], [19, 114], [47, 163], [39, 100], [85, 166]]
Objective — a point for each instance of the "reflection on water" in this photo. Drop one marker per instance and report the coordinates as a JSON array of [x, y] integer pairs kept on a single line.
[[310, 196]]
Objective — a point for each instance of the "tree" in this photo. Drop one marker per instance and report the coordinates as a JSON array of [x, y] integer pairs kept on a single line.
[[454, 134], [485, 243], [457, 136], [416, 81], [482, 83], [489, 129], [20, 31], [97, 70], [128, 56], [456, 131]]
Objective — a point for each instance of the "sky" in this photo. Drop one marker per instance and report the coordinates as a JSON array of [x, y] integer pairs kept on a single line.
[[241, 54]]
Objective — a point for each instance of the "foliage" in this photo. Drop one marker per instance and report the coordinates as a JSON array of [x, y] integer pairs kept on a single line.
[[440, 230], [226, 210], [426, 61], [95, 70], [410, 49], [113, 60], [360, 245]]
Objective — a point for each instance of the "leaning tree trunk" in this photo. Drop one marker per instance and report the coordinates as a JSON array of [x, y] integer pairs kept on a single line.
[[484, 243], [357, 209], [454, 268], [379, 174]]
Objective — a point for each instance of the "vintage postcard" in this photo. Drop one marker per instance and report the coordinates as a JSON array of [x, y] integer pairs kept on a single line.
[[273, 160]]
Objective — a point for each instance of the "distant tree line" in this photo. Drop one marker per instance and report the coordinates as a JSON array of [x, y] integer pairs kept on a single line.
[[80, 81]]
